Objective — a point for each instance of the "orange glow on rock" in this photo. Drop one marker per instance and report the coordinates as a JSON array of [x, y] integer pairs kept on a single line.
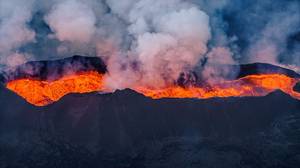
[[41, 93]]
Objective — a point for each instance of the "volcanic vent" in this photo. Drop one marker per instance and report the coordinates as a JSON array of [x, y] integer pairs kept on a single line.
[[44, 82]]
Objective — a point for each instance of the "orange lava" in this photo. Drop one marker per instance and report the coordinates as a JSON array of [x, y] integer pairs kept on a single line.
[[41, 93], [252, 85]]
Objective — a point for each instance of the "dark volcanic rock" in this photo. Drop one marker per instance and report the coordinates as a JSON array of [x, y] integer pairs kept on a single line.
[[263, 68], [297, 87], [126, 129], [54, 69]]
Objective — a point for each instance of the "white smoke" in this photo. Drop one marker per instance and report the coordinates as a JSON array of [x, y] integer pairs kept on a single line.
[[14, 32], [72, 21], [168, 37], [216, 69]]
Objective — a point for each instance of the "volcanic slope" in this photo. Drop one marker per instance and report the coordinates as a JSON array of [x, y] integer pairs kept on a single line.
[[127, 121]]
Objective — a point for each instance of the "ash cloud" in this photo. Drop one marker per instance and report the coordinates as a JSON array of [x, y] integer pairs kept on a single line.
[[146, 42]]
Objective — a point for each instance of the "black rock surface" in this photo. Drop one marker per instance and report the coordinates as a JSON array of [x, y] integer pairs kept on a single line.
[[297, 87], [263, 68]]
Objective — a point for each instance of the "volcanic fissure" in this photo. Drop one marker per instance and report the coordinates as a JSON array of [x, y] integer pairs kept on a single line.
[[41, 92]]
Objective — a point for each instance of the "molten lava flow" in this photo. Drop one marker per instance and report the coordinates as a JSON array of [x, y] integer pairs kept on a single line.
[[41, 93], [252, 85]]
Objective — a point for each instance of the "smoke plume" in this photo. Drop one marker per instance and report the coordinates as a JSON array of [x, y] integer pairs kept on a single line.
[[151, 42]]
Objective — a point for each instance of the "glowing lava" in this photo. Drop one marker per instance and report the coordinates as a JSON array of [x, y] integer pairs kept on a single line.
[[42, 93], [251, 85]]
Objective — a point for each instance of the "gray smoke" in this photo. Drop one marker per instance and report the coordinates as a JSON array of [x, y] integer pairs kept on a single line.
[[150, 42]]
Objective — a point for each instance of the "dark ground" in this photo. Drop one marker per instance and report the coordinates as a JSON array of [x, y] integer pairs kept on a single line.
[[126, 129]]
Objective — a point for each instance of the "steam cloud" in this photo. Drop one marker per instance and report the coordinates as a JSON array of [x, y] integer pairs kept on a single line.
[[150, 42]]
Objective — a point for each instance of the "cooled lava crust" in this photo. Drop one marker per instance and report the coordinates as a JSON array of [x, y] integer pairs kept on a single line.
[[54, 69]]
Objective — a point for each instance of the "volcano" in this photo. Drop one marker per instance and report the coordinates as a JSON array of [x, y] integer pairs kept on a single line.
[[128, 128]]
